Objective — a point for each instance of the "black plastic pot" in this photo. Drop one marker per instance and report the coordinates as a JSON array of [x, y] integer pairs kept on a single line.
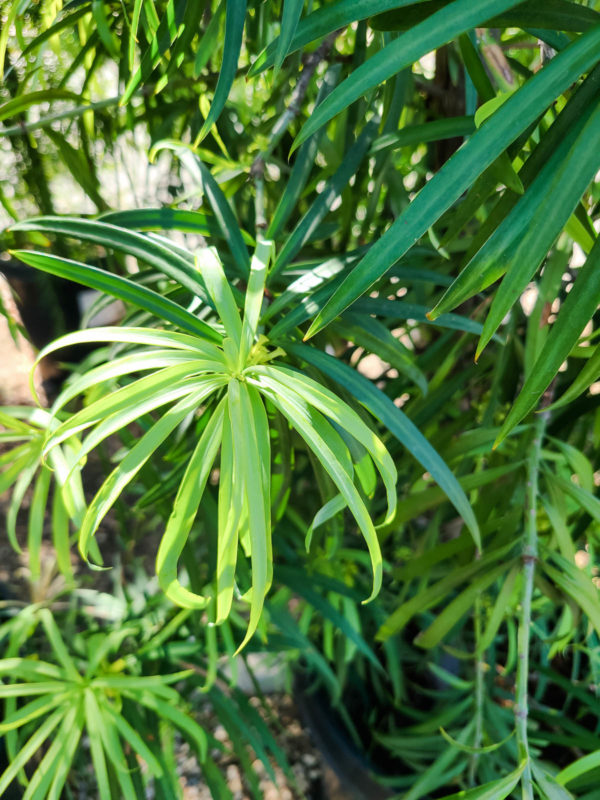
[[355, 773]]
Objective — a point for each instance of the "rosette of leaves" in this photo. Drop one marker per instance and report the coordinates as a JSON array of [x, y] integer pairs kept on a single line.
[[219, 364], [23, 465], [50, 706]]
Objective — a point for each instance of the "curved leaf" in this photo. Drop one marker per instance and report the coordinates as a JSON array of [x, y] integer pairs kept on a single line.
[[396, 422], [122, 288]]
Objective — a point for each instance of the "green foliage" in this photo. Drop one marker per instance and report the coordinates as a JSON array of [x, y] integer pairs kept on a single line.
[[359, 309]]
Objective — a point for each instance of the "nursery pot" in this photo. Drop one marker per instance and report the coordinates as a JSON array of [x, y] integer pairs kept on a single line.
[[355, 774]]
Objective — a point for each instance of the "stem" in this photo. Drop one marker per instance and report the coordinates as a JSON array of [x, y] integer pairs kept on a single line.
[[259, 205], [295, 104], [257, 170], [530, 551], [479, 693]]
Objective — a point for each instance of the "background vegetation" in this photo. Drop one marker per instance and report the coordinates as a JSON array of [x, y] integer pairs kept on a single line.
[[355, 249]]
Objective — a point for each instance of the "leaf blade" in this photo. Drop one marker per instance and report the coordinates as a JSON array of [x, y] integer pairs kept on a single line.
[[483, 147]]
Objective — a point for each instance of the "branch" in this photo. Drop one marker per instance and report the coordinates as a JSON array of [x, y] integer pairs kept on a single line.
[[530, 552], [257, 170]]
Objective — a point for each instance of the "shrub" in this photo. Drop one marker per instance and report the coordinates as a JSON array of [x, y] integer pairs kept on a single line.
[[357, 362]]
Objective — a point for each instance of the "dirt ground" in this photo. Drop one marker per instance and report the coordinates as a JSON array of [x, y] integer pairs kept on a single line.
[[16, 358]]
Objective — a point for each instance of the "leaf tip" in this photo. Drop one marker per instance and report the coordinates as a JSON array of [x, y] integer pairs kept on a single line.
[[310, 332], [296, 144]]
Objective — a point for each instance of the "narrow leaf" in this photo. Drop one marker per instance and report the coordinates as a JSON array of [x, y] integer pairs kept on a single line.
[[123, 288], [396, 422], [235, 16], [483, 147], [579, 306]]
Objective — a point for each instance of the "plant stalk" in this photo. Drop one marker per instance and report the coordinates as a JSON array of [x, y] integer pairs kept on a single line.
[[257, 170], [530, 552], [479, 693]]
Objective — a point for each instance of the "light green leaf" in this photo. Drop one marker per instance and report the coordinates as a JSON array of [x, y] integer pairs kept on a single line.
[[231, 505], [550, 788], [138, 361], [184, 511], [35, 524], [319, 436], [584, 764], [254, 298], [490, 107], [332, 407], [211, 269], [30, 668], [58, 645], [249, 426], [57, 757], [495, 790], [119, 408], [190, 729], [132, 737], [136, 458], [396, 422], [67, 742], [110, 741], [93, 722], [31, 711], [31, 748]]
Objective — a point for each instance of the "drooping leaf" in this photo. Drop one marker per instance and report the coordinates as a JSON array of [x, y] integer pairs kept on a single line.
[[396, 422]]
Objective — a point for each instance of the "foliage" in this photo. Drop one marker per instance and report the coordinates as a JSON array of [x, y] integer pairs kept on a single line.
[[125, 707], [365, 303]]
